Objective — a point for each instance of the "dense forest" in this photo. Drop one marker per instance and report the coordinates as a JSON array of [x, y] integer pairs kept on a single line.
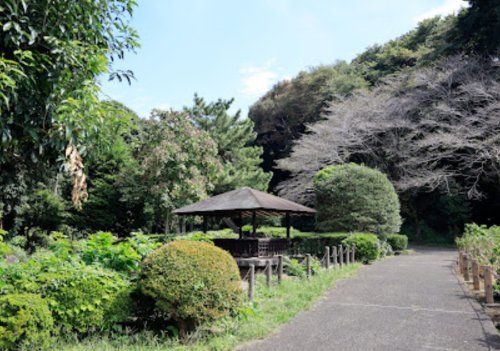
[[422, 108]]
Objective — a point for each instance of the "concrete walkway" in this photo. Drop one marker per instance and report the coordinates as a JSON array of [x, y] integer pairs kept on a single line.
[[409, 302]]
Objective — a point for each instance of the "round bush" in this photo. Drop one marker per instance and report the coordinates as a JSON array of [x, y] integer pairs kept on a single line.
[[367, 246], [193, 282], [25, 322], [351, 197], [398, 242]]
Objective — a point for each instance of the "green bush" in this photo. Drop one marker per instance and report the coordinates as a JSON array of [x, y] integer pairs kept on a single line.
[[298, 269], [315, 244], [352, 197], [81, 298], [367, 246], [25, 322], [193, 282], [398, 242]]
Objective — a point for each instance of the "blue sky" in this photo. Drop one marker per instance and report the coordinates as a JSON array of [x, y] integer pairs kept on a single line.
[[240, 49]]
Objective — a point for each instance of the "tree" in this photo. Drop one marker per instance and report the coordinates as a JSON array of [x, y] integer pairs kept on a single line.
[[233, 137], [178, 164], [52, 53], [352, 197], [426, 129]]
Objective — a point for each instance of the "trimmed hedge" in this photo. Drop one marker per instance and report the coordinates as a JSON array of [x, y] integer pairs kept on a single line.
[[398, 242], [367, 246], [192, 282], [25, 322], [351, 197]]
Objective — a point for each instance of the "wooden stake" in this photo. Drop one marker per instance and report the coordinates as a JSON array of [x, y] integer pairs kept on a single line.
[[280, 268], [488, 284], [347, 255], [466, 267], [327, 257], [334, 255], [251, 282], [269, 272], [475, 274], [308, 265], [341, 255], [353, 251]]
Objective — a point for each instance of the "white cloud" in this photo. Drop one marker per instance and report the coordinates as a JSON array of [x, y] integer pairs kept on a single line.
[[447, 8], [258, 79]]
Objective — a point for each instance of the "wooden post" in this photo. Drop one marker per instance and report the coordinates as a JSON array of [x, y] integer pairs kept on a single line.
[[466, 267], [488, 284], [353, 252], [347, 255], [251, 282], [475, 274], [461, 262], [269, 272], [327, 257], [240, 226], [254, 224], [287, 223], [308, 265], [280, 268], [183, 226], [205, 224], [341, 255], [334, 255]]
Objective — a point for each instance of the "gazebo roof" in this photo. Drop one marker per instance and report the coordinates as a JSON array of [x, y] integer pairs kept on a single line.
[[244, 201]]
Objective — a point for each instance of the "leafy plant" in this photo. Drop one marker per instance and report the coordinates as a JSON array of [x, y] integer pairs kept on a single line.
[[25, 322], [398, 242], [367, 246]]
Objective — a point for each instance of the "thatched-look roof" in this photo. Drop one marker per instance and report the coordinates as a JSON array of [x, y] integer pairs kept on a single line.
[[245, 202]]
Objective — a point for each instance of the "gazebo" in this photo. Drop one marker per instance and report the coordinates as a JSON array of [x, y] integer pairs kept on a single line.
[[250, 203]]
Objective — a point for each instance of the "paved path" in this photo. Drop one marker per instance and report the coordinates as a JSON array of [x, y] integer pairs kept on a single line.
[[408, 302]]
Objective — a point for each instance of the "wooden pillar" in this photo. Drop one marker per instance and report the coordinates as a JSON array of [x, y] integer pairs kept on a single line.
[[251, 282], [341, 255], [280, 268], [240, 226], [327, 257], [353, 253], [334, 255], [475, 274], [269, 272], [205, 224], [287, 223], [347, 255], [466, 267], [488, 284], [308, 265], [254, 224]]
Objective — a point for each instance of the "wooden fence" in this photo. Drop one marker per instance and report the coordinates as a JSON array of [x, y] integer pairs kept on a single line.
[[481, 277], [334, 257]]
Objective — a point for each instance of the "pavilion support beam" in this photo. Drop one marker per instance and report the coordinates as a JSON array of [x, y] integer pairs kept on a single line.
[[254, 224], [287, 223], [205, 224], [240, 225]]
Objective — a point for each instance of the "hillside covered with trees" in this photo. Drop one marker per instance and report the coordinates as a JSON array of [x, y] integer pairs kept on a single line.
[[422, 108]]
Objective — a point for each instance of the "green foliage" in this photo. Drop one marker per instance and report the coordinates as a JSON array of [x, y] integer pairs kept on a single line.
[[298, 269], [193, 282], [367, 246], [398, 242], [25, 322], [102, 248], [351, 197], [44, 209], [483, 243], [234, 137]]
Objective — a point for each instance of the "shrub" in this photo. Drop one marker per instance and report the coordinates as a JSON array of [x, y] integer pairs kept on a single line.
[[298, 269], [315, 244], [86, 298], [25, 322], [193, 282], [398, 242], [81, 298], [352, 197], [367, 246]]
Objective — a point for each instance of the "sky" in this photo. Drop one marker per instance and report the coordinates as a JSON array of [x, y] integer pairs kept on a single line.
[[240, 49]]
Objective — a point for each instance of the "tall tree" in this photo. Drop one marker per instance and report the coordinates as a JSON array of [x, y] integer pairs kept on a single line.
[[233, 136]]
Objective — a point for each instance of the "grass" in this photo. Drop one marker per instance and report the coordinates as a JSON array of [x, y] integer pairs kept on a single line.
[[271, 308]]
